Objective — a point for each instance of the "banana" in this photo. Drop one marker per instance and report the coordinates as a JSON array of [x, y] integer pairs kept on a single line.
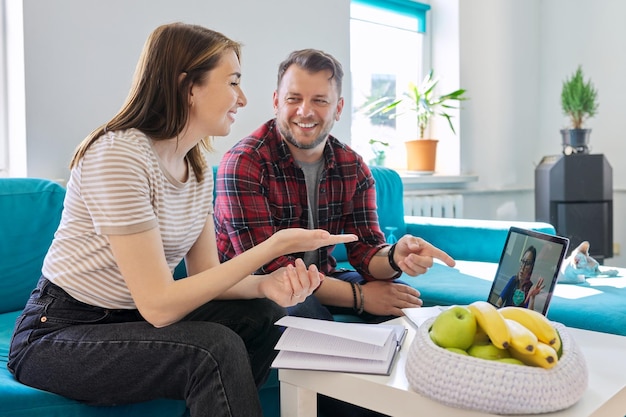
[[533, 321], [558, 346], [490, 320], [544, 356], [522, 340]]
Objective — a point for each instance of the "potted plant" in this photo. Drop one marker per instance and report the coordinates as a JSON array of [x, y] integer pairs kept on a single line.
[[425, 103], [579, 103]]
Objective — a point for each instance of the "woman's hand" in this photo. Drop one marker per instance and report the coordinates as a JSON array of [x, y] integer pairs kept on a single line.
[[292, 284], [532, 293], [302, 240], [536, 289]]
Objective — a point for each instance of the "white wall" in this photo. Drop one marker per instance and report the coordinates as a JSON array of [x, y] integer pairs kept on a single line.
[[500, 70], [80, 56], [514, 56], [590, 33]]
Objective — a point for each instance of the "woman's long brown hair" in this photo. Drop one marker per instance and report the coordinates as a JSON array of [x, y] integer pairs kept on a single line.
[[157, 103]]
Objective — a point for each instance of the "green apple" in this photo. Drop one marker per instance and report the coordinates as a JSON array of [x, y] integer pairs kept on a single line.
[[488, 351], [457, 350], [510, 360], [454, 328], [481, 337]]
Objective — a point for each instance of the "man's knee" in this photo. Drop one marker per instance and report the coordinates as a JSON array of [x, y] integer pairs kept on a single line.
[[310, 308]]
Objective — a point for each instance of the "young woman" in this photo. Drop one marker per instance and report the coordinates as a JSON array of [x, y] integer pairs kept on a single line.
[[107, 323]]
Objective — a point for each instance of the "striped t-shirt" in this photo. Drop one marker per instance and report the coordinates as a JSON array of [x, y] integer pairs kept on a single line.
[[120, 187]]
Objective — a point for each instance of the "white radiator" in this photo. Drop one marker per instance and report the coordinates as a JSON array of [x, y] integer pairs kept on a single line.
[[437, 205]]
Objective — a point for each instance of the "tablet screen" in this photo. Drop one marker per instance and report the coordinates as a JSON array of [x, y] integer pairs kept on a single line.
[[528, 270]]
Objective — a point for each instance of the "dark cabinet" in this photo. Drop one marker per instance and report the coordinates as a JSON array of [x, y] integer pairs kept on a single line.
[[574, 193]]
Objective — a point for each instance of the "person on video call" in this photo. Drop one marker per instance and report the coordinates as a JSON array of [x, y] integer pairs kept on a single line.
[[520, 290], [291, 172]]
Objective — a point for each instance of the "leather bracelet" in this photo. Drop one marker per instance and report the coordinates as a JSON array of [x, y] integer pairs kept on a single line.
[[362, 306], [354, 306], [393, 263]]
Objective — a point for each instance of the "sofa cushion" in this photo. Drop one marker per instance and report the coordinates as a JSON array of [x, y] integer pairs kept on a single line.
[[31, 211], [596, 305], [469, 239], [389, 200], [18, 400]]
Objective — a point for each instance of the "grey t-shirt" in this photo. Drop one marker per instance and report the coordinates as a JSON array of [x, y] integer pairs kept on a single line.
[[312, 175]]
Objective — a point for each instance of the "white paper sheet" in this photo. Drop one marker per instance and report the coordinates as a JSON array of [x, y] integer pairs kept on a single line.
[[419, 315]]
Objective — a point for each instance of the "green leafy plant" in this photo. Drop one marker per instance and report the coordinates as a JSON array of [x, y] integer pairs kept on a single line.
[[378, 148], [578, 99], [422, 100]]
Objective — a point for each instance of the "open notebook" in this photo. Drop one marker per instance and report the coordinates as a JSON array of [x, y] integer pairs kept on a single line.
[[338, 346], [524, 252]]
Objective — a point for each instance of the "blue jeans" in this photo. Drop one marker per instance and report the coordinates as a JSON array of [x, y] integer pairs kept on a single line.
[[214, 359]]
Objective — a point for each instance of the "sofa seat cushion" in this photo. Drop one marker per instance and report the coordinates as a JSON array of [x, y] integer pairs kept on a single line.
[[18, 400], [597, 304], [443, 285], [31, 211]]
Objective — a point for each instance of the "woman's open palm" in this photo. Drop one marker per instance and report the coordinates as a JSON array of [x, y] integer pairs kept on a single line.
[[302, 240]]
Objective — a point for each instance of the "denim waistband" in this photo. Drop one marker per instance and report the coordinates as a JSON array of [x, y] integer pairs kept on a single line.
[[48, 287]]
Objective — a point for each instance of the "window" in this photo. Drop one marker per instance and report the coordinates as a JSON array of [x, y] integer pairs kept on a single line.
[[12, 93], [4, 148], [388, 48]]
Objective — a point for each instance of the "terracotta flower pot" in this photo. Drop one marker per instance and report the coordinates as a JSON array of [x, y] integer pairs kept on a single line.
[[421, 154]]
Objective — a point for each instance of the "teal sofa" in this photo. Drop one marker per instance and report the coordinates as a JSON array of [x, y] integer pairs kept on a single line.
[[30, 211]]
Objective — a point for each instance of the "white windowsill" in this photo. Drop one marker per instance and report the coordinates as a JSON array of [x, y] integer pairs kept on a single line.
[[419, 181]]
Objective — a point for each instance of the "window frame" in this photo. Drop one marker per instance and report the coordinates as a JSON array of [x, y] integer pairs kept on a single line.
[[405, 7]]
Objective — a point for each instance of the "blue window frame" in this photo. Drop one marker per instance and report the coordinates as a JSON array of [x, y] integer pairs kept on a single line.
[[408, 8]]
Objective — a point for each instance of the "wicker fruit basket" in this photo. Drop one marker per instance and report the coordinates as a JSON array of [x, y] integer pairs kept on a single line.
[[495, 387]]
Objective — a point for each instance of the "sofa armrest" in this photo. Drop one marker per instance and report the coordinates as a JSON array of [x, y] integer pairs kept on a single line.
[[469, 239]]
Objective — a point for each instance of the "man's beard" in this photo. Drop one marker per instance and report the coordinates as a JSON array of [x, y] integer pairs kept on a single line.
[[286, 133]]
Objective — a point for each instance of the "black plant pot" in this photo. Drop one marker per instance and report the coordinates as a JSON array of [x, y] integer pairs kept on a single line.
[[576, 139]]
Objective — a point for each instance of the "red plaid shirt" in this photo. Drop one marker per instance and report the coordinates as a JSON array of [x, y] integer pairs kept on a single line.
[[259, 190]]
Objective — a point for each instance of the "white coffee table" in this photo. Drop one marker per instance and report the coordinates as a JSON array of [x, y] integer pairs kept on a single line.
[[605, 395]]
